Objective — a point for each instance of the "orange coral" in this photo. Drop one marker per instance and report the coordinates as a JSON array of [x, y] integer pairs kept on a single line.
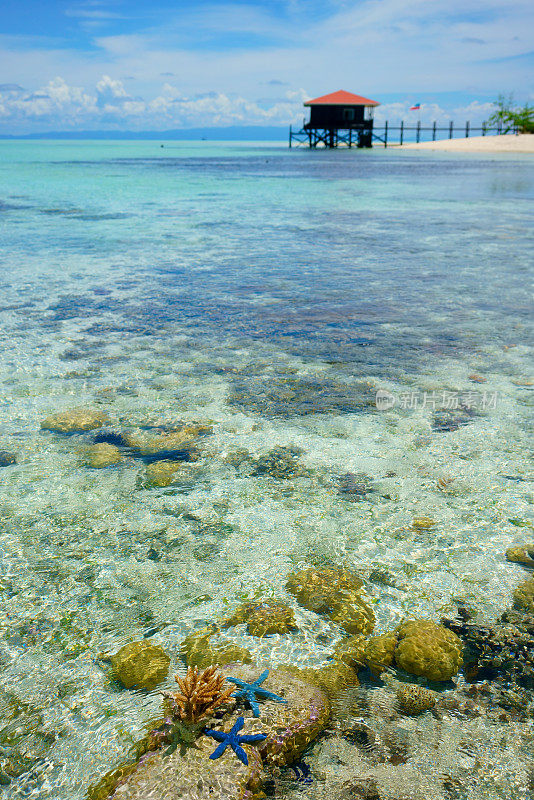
[[200, 694]]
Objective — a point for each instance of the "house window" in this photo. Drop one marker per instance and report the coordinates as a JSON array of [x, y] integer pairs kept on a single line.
[[348, 114]]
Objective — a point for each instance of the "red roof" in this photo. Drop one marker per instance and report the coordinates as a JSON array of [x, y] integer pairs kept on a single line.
[[341, 98]]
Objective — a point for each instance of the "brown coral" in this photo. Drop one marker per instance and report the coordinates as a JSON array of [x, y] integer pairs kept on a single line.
[[140, 664], [334, 591], [263, 618], [197, 651], [200, 694], [427, 649], [521, 555], [524, 595]]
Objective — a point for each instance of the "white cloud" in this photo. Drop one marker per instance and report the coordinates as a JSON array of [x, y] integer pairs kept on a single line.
[[111, 105], [56, 98]]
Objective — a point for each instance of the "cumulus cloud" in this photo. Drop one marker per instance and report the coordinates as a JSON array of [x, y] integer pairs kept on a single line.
[[56, 98], [110, 105]]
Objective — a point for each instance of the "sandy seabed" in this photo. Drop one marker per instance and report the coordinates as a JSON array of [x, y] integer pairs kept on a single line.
[[509, 143]]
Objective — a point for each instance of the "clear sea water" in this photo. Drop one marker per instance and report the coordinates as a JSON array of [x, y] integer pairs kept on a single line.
[[271, 293]]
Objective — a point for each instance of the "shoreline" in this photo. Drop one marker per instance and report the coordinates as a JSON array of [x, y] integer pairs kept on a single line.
[[505, 143]]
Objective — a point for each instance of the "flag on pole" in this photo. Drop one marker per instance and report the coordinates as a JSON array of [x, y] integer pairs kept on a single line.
[[416, 107]]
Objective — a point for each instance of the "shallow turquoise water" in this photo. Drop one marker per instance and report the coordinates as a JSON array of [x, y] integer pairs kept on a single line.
[[271, 292]]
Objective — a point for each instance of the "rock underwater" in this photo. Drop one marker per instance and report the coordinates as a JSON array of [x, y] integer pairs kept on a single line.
[[101, 455], [75, 420], [192, 776], [173, 774]]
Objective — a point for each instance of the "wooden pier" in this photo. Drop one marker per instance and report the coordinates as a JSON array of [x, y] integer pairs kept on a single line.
[[389, 135], [400, 133]]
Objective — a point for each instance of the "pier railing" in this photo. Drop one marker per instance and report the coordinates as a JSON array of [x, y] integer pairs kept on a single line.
[[400, 133]]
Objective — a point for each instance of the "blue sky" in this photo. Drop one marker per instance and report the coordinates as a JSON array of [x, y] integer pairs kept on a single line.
[[155, 65]]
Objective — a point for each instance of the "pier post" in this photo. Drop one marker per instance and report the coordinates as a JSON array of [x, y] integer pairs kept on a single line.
[[402, 132], [451, 126], [434, 131], [290, 136], [467, 130], [386, 134], [418, 132]]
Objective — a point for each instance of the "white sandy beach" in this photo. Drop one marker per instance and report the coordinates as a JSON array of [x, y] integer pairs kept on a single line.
[[509, 143]]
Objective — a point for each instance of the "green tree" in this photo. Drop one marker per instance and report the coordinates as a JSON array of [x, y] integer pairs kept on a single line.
[[512, 117]]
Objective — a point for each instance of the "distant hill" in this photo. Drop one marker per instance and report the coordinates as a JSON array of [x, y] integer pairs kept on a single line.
[[234, 133]]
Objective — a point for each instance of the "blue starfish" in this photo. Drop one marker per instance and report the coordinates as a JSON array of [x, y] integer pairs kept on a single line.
[[231, 738], [249, 692]]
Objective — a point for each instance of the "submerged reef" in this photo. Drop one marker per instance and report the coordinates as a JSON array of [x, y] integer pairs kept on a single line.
[[333, 678], [7, 458], [161, 771], [160, 775], [101, 455], [521, 554], [280, 463], [159, 474], [76, 420], [429, 650], [423, 523], [290, 725], [503, 651], [524, 595], [354, 486], [335, 592], [160, 445], [377, 652], [263, 618], [197, 651], [420, 647], [140, 664], [412, 699], [289, 395], [452, 419]]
